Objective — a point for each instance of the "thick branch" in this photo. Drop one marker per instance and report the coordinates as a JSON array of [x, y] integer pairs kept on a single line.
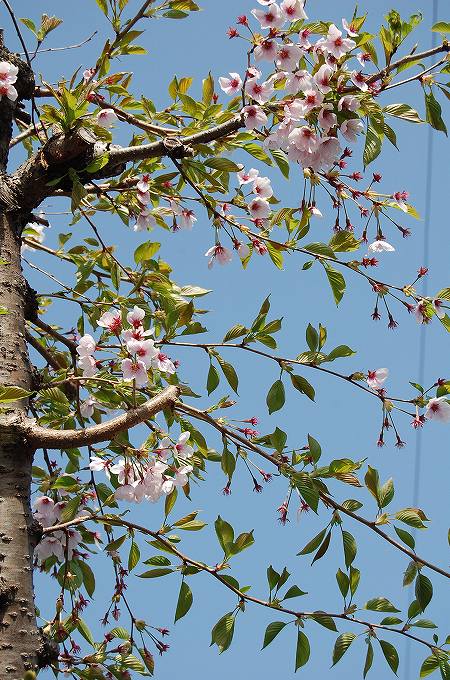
[[67, 439]]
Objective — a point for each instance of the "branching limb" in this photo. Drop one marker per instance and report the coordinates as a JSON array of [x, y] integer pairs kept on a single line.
[[328, 501], [67, 439], [215, 573]]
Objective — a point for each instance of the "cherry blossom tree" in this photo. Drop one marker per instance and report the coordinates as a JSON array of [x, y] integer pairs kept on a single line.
[[309, 89]]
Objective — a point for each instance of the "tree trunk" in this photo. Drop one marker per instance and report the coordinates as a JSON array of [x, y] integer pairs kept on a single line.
[[19, 636]]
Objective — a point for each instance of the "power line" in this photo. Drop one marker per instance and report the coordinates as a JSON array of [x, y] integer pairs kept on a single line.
[[423, 329]]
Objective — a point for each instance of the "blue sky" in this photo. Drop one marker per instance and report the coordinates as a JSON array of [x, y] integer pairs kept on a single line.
[[344, 422]]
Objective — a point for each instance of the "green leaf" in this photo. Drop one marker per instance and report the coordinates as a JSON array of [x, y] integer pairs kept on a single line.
[[235, 332], [380, 604], [155, 573], [69, 512], [229, 373], [423, 591], [312, 338], [272, 631], [103, 6], [337, 283], [281, 160], [313, 543], [303, 650], [390, 621], [344, 242], [11, 394], [208, 89], [440, 27], [324, 620], [29, 23], [85, 631], [386, 493], [411, 517], [430, 665], [343, 582], [323, 548], [390, 654], [369, 659], [315, 450], [403, 111], [406, 537], [339, 352], [223, 164], [342, 644], [350, 548], [146, 251], [303, 386], [184, 603], [222, 633], [88, 577], [134, 556], [434, 113], [293, 591], [276, 397], [372, 147], [225, 534], [213, 379]]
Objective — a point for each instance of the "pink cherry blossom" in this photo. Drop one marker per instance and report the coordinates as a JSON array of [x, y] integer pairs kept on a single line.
[[266, 51], [88, 365], [243, 250], [111, 320], [349, 29], [187, 219], [86, 345], [323, 78], [45, 511], [8, 76], [351, 128], [220, 254], [162, 362], [247, 177], [292, 10], [231, 85], [259, 208], [303, 39], [144, 350], [270, 17], [335, 44], [298, 82], [87, 407], [260, 92], [304, 139], [348, 103], [262, 187], [327, 119], [438, 409], [145, 220], [288, 57], [135, 370], [437, 306], [137, 333], [106, 118], [420, 312], [359, 80], [254, 117], [376, 379], [49, 546], [135, 317]]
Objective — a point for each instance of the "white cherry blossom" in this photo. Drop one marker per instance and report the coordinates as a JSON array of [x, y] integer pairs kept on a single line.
[[231, 85], [245, 177], [86, 345], [254, 117], [135, 370], [380, 246], [351, 129], [111, 320], [376, 379], [293, 10], [259, 208], [220, 254], [438, 409], [162, 362], [106, 118], [271, 17]]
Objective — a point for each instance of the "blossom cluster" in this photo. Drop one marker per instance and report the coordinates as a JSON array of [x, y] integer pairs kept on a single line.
[[59, 543], [149, 480], [141, 350], [8, 76]]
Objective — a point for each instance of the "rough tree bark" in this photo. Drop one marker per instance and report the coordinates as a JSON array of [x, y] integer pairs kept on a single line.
[[20, 639]]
